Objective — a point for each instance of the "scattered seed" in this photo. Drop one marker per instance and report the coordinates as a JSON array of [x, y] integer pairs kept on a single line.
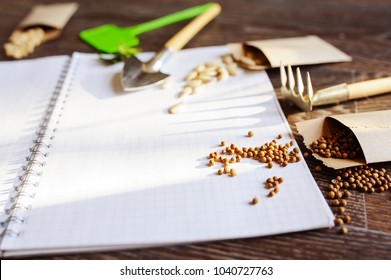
[[185, 91], [227, 59], [343, 202], [338, 221], [346, 194], [343, 230], [346, 218], [269, 185], [250, 134], [177, 108], [220, 171], [271, 194], [232, 69], [193, 74], [341, 210], [254, 201], [318, 168]]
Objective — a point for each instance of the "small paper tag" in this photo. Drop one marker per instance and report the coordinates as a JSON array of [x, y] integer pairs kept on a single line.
[[372, 130], [293, 51]]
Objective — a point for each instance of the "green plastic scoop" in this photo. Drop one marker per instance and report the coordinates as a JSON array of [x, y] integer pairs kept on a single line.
[[107, 38]]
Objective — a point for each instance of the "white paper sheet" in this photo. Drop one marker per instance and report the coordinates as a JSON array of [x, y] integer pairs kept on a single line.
[[25, 92], [122, 172]]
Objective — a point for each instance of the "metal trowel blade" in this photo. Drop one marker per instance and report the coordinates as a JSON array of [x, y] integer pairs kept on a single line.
[[135, 78]]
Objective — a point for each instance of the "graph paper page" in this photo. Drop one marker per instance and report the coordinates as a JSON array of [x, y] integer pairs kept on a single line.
[[122, 172]]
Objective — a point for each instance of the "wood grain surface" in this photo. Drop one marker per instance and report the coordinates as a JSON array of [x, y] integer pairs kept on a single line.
[[360, 28]]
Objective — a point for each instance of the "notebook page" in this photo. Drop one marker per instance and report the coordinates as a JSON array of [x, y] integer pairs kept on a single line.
[[124, 172], [25, 91]]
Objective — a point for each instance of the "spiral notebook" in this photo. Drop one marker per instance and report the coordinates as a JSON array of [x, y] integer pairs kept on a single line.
[[85, 166]]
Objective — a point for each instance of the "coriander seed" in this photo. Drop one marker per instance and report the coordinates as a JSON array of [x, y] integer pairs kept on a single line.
[[343, 202], [341, 210], [338, 221], [343, 230], [346, 218]]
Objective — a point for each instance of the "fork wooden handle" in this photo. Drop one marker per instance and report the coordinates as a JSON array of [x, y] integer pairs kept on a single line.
[[369, 88]]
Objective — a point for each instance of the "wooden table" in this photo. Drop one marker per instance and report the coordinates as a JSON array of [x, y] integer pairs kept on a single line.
[[361, 28]]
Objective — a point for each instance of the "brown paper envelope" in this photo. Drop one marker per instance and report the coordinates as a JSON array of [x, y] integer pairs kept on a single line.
[[372, 130], [294, 51], [52, 17]]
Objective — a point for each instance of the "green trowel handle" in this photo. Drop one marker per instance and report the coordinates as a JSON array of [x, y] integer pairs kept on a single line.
[[169, 19]]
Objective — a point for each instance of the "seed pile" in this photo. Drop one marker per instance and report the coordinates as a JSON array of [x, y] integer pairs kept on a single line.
[[342, 144], [364, 178], [215, 70], [22, 43], [269, 153]]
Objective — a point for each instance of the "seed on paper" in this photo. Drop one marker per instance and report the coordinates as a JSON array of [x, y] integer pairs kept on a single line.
[[254, 201], [177, 108]]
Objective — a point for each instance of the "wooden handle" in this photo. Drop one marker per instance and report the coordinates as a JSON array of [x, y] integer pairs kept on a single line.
[[369, 88], [181, 38]]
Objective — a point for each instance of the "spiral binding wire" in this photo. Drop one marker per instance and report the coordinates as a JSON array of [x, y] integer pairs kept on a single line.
[[28, 178]]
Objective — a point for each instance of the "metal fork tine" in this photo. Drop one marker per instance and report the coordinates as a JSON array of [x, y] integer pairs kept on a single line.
[[283, 77], [310, 91], [291, 79], [300, 84], [300, 96]]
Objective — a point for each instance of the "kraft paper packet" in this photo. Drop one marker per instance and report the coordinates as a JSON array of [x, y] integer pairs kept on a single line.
[[289, 51], [372, 130], [51, 17]]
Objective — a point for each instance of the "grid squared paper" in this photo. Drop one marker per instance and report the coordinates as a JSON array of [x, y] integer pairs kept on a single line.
[[122, 172]]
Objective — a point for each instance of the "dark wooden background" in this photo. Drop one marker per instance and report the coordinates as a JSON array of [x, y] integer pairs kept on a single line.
[[361, 28]]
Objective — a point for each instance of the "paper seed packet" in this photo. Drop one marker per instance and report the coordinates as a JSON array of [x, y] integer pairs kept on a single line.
[[372, 130]]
